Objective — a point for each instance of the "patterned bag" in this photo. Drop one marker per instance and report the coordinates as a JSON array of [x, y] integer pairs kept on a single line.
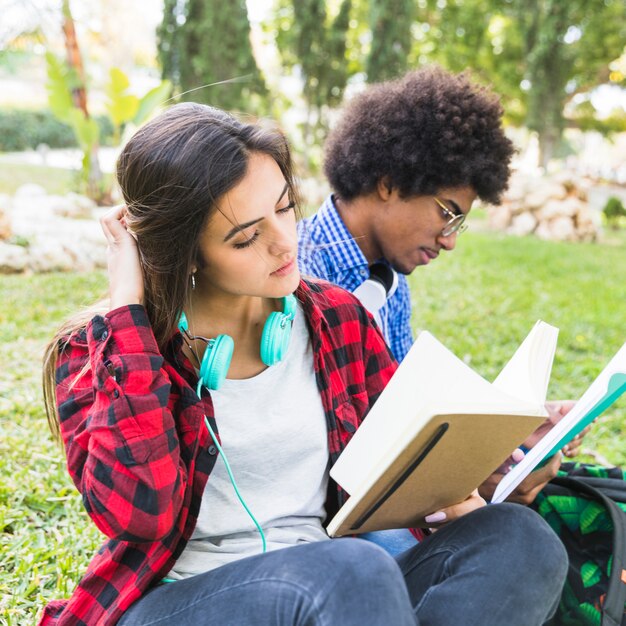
[[586, 506]]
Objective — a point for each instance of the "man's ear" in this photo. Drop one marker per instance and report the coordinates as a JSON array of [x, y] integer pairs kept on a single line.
[[384, 189]]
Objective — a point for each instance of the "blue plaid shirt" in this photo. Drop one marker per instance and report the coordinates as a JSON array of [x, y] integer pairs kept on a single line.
[[327, 250]]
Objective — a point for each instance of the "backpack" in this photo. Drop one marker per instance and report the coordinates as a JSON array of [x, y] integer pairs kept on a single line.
[[586, 506]]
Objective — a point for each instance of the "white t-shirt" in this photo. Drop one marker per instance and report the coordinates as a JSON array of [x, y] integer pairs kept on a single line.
[[273, 431]]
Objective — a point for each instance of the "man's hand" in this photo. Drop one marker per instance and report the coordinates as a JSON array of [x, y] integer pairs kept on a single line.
[[528, 489], [556, 411]]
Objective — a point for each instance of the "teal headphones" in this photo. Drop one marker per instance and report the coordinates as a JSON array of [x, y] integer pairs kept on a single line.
[[215, 363], [219, 351]]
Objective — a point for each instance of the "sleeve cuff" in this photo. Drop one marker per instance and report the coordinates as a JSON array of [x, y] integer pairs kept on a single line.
[[128, 327]]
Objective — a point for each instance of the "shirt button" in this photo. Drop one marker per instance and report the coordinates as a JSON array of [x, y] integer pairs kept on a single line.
[[212, 450], [104, 335], [116, 393]]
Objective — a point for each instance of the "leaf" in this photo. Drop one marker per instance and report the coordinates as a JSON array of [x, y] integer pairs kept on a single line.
[[590, 573], [121, 106], [86, 129], [594, 517], [59, 89], [569, 509], [151, 100], [589, 614]]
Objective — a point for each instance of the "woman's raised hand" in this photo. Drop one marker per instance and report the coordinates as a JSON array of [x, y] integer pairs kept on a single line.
[[125, 273]]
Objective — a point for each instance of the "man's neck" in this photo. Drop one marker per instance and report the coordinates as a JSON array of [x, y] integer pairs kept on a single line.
[[356, 215]]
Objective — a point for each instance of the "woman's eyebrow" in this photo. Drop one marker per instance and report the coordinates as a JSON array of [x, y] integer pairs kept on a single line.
[[239, 227], [283, 192]]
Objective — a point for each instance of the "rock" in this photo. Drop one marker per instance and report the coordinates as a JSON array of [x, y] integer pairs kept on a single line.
[[582, 189], [30, 190], [74, 206], [522, 224], [558, 229], [13, 259], [51, 256], [566, 178], [6, 232], [499, 216], [544, 190], [569, 207], [518, 189], [552, 207]]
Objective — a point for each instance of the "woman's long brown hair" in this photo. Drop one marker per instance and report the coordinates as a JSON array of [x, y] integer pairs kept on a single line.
[[171, 173]]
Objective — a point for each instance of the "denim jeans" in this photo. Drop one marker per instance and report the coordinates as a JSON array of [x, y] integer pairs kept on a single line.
[[395, 541], [498, 566]]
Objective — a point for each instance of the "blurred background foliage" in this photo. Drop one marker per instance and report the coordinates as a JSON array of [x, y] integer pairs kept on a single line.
[[296, 59]]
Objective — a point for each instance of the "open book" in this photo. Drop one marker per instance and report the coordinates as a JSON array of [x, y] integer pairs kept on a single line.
[[438, 431], [604, 391]]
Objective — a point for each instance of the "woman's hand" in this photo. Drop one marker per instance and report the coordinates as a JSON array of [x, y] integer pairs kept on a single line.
[[125, 273], [450, 513]]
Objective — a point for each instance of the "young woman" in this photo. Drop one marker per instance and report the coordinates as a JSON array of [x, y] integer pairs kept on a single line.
[[202, 263]]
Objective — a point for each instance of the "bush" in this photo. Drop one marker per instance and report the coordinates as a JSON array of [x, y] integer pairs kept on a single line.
[[25, 130], [613, 210]]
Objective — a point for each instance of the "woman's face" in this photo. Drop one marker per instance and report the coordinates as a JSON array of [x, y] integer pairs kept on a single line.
[[249, 244]]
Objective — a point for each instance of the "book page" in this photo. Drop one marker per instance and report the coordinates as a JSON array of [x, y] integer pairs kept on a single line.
[[527, 374], [605, 389], [430, 374]]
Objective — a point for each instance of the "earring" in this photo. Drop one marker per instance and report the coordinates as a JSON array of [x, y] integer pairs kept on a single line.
[[193, 281]]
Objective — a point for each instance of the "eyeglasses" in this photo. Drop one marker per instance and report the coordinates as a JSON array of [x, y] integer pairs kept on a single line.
[[456, 221]]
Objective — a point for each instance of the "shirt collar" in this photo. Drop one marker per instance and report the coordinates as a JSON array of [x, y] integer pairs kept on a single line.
[[342, 251]]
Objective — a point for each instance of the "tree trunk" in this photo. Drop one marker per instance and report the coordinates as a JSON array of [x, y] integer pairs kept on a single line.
[[74, 59], [547, 145], [79, 97]]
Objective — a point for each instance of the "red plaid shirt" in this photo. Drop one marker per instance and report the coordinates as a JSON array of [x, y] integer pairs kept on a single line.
[[140, 455]]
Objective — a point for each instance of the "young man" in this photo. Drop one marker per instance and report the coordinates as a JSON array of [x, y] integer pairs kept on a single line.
[[405, 162]]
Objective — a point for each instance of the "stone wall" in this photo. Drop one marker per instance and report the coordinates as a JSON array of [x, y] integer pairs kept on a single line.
[[554, 208], [45, 233]]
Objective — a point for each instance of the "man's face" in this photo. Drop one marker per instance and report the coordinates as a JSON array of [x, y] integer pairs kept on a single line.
[[407, 232]]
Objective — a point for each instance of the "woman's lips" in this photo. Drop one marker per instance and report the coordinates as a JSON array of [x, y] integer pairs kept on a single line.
[[285, 269]]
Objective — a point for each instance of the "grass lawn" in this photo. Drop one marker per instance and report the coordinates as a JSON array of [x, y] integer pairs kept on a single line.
[[480, 301], [54, 180]]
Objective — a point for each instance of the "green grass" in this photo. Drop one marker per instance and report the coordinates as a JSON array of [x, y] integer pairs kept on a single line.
[[54, 180], [45, 537], [480, 301]]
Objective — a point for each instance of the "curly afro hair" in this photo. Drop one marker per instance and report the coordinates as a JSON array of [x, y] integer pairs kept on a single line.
[[421, 133]]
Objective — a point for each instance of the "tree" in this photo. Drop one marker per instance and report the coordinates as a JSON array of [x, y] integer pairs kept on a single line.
[[569, 46], [86, 128], [538, 54], [169, 40], [205, 50], [313, 43], [391, 22], [614, 210]]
